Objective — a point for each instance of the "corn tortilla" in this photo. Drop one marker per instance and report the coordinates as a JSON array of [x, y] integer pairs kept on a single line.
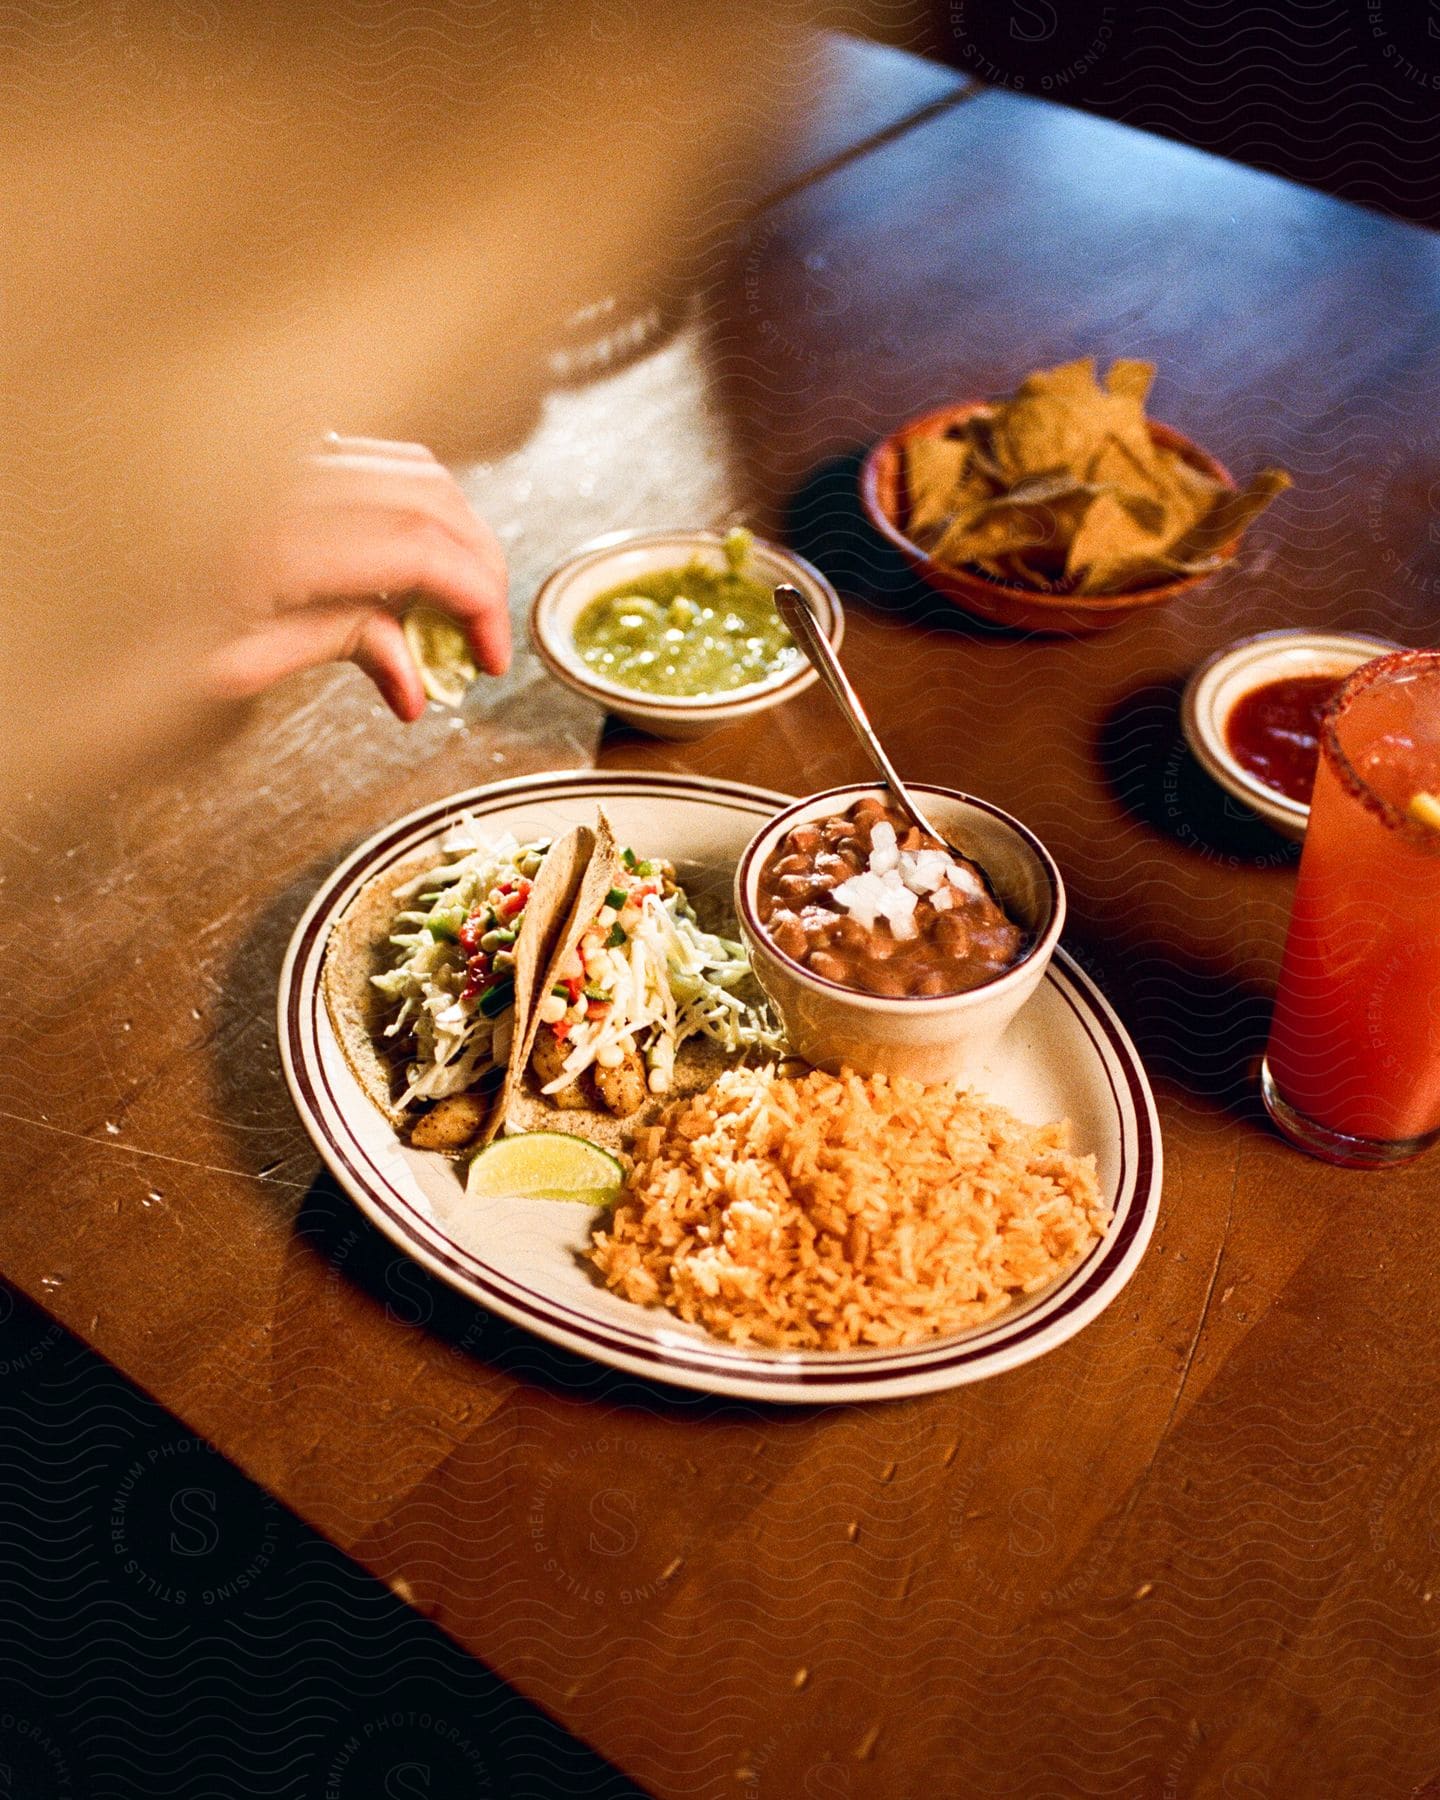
[[359, 949]]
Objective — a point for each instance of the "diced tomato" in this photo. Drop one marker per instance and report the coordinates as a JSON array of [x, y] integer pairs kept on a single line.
[[572, 985], [478, 971], [562, 1031]]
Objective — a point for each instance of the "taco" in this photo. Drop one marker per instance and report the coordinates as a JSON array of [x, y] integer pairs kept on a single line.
[[638, 1004], [430, 974]]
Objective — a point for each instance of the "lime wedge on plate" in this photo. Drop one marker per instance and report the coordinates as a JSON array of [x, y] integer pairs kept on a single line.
[[545, 1165], [439, 646]]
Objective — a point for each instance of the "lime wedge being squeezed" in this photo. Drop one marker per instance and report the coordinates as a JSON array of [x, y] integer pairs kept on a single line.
[[439, 646], [545, 1165]]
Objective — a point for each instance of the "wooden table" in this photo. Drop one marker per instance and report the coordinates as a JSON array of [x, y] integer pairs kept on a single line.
[[1194, 1551]]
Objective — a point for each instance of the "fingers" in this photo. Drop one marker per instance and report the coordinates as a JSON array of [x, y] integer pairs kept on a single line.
[[420, 488], [362, 559], [370, 527], [470, 588], [381, 651], [383, 475], [284, 646], [366, 635]]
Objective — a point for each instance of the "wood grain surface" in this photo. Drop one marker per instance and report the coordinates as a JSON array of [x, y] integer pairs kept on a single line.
[[1195, 1551]]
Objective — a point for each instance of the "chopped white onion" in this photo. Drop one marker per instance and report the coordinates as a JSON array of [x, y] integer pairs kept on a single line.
[[884, 856], [923, 870], [965, 879], [894, 881]]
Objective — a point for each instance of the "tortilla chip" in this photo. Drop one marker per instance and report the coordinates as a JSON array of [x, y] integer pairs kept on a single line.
[[1037, 515], [1197, 550], [934, 470], [1188, 494], [1125, 574], [1073, 379], [1131, 378], [1232, 512], [1115, 526], [1018, 570], [1116, 464], [1068, 429], [1016, 490], [1035, 436], [977, 431]]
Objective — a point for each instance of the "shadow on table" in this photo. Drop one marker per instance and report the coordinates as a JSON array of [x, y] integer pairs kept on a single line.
[[1150, 771], [1197, 1028], [1195, 1024], [251, 1097], [361, 1255]]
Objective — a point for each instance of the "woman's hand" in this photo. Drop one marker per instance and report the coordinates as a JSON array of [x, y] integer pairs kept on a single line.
[[368, 528]]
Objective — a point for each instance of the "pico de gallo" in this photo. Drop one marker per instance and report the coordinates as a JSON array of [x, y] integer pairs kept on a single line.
[[641, 979], [454, 969]]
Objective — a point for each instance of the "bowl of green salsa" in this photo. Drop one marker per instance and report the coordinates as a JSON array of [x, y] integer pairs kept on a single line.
[[676, 631]]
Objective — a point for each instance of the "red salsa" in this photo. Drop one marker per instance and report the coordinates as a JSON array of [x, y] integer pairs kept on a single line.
[[1273, 732]]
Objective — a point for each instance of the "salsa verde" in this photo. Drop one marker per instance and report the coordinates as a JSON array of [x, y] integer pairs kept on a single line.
[[687, 631]]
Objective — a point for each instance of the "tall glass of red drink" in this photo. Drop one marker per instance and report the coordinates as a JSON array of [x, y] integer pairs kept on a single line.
[[1352, 1069]]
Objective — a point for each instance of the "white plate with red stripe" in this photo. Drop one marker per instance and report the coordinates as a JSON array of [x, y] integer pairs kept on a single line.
[[1066, 1056]]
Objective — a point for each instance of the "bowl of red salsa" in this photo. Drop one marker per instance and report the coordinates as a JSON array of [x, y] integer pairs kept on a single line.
[[1252, 713]]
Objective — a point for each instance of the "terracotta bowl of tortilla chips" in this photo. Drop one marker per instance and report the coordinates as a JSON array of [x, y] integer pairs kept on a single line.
[[882, 493]]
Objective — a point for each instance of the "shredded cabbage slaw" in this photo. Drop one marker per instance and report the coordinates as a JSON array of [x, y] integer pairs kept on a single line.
[[453, 969], [646, 976]]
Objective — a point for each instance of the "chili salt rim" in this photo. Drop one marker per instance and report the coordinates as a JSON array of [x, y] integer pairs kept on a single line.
[[1395, 818]]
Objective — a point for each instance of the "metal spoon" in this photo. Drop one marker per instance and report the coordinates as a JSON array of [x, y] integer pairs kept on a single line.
[[805, 628]]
